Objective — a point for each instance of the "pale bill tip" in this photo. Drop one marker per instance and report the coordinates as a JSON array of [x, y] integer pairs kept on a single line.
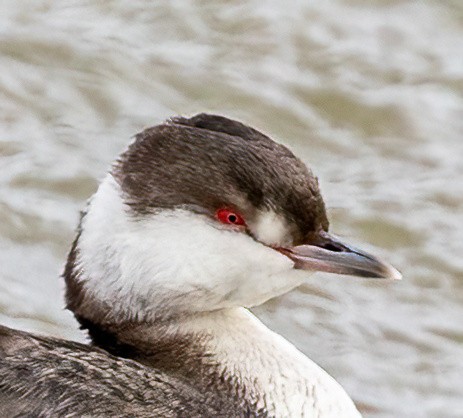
[[394, 274]]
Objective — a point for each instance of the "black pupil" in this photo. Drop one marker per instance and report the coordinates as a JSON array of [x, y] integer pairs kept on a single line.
[[232, 218]]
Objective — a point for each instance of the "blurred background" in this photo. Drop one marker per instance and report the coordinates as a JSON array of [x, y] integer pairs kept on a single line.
[[368, 93]]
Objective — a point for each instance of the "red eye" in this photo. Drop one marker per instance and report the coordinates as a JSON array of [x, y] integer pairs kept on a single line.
[[228, 216]]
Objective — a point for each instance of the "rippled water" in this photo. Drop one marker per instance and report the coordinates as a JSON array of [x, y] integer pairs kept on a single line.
[[370, 94]]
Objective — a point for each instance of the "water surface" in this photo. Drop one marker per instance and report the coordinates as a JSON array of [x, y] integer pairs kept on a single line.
[[369, 94]]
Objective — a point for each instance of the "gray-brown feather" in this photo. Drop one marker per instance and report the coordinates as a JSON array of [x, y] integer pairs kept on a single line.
[[49, 377]]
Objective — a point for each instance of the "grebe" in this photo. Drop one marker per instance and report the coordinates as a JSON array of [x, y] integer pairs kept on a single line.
[[198, 220]]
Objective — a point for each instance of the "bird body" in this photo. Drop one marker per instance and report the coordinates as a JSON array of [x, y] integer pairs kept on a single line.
[[199, 220]]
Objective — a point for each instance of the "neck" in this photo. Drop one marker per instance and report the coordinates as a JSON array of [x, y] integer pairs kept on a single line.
[[231, 351]]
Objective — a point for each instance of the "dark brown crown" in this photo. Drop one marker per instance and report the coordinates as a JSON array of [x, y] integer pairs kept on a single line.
[[208, 162]]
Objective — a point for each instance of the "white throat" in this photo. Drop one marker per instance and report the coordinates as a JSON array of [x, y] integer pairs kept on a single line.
[[276, 375]]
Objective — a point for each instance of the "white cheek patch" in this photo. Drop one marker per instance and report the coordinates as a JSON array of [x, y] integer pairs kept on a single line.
[[271, 229], [177, 260]]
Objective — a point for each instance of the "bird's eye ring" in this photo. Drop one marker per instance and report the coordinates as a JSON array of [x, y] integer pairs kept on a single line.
[[228, 216]]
